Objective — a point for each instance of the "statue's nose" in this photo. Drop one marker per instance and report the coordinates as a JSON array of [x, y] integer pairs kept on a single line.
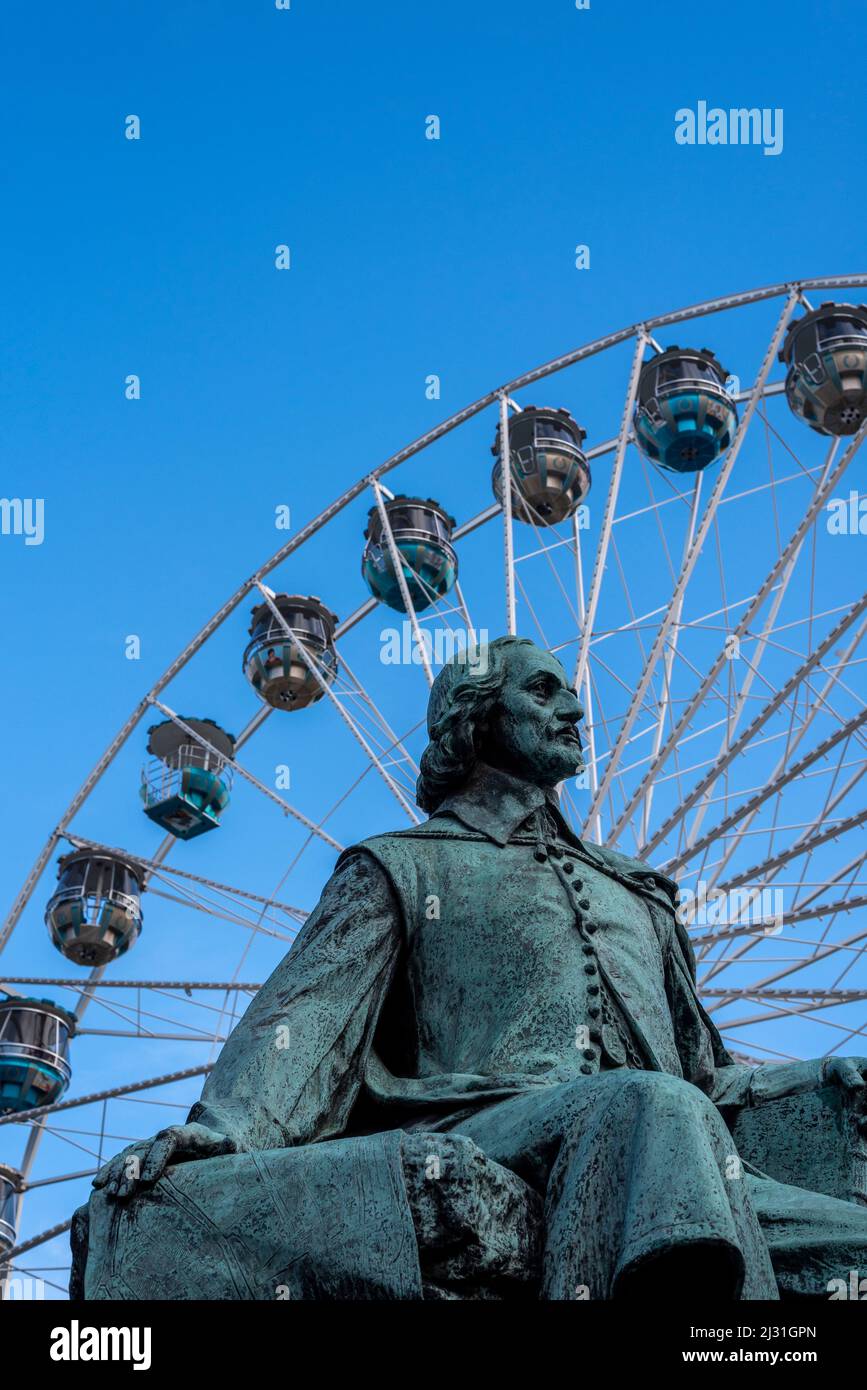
[[572, 708]]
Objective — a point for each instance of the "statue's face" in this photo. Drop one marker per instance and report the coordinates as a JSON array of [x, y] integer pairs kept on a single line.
[[533, 732]]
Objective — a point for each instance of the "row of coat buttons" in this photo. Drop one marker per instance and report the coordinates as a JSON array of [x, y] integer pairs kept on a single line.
[[591, 969], [590, 1054], [587, 929], [541, 854]]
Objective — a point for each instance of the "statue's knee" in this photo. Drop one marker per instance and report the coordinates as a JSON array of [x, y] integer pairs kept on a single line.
[[659, 1090], [626, 1093]]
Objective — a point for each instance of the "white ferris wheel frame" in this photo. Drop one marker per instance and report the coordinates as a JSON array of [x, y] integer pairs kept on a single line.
[[792, 1001]]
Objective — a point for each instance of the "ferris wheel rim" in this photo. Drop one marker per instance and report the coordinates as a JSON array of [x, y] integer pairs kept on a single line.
[[640, 331], [739, 299]]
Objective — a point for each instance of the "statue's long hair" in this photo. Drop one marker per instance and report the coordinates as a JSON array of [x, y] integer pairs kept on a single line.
[[461, 702]]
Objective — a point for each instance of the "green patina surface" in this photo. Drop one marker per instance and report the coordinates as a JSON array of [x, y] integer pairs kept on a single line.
[[483, 1071]]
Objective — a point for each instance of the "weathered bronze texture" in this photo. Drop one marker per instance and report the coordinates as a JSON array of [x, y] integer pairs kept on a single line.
[[483, 1071]]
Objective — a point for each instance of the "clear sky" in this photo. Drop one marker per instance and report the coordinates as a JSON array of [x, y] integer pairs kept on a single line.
[[409, 257]]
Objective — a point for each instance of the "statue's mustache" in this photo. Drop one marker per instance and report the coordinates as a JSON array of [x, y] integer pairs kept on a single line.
[[567, 731], [560, 727]]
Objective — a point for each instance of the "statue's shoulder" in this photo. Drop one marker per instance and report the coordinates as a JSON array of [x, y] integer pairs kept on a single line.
[[403, 841]]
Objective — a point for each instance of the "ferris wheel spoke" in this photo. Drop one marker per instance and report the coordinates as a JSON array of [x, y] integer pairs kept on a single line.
[[397, 567], [73, 1177], [465, 614], [787, 448], [775, 1011], [814, 697], [57, 1230], [835, 985], [802, 846], [506, 503], [284, 805], [160, 986], [746, 737], [824, 490], [668, 663], [536, 623], [546, 549], [384, 743], [855, 960], [633, 626], [148, 1035], [731, 796], [820, 951], [588, 695], [847, 1038], [110, 1093], [437, 602], [751, 1060], [222, 914], [226, 890], [648, 708], [849, 870], [580, 675], [819, 703], [344, 715], [793, 918], [783, 779], [127, 1013], [802, 896], [395, 759], [693, 553], [814, 998], [742, 696]]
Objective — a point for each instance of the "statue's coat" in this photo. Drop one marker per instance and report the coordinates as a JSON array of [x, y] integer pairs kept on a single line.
[[445, 985]]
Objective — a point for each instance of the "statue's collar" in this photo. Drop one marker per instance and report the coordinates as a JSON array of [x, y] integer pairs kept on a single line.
[[496, 802]]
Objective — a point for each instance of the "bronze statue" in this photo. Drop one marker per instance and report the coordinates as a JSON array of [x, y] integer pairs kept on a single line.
[[482, 1071]]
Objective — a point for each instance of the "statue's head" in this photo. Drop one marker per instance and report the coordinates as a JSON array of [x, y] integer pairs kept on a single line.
[[510, 706]]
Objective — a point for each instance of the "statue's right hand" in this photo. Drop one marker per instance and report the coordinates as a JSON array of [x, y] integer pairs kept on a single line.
[[143, 1164]]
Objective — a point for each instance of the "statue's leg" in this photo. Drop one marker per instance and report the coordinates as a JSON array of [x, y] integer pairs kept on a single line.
[[818, 1244], [478, 1225], [382, 1216], [643, 1192], [320, 1222]]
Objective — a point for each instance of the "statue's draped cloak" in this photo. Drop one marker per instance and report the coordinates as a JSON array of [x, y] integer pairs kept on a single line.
[[328, 1222], [439, 973]]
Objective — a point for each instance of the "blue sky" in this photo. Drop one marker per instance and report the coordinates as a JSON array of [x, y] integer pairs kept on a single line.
[[259, 387]]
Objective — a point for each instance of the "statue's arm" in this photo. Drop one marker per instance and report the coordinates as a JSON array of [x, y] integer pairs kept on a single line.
[[292, 1068]]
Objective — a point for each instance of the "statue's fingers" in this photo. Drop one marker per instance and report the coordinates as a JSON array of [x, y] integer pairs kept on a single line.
[[208, 1144], [133, 1169], [106, 1175], [114, 1177], [157, 1159], [845, 1072]]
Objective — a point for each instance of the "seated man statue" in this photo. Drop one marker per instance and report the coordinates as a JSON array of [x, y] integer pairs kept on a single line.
[[481, 1071]]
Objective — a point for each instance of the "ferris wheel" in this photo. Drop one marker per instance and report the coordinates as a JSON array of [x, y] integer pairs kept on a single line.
[[688, 538]]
